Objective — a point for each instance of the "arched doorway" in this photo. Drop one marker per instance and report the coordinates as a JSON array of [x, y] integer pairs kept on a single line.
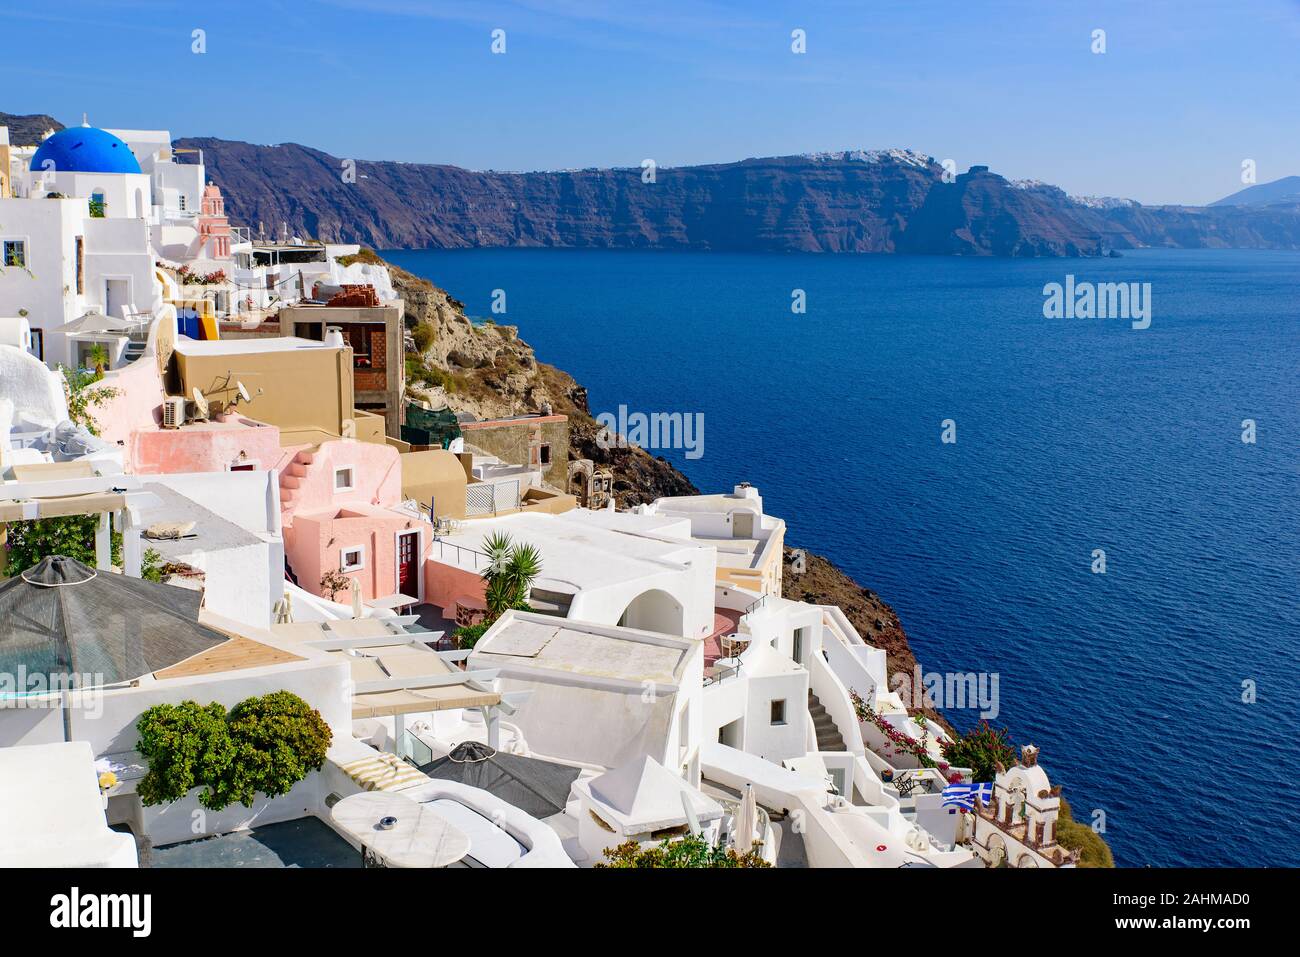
[[997, 850], [655, 610]]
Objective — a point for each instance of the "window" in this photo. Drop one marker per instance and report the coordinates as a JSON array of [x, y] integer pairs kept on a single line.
[[544, 454], [38, 343], [15, 253], [778, 712], [352, 559], [343, 480]]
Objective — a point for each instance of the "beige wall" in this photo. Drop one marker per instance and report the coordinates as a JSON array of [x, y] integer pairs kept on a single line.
[[514, 441], [302, 388], [435, 474], [384, 383]]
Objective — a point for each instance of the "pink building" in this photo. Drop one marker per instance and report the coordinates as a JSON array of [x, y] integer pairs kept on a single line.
[[338, 502]]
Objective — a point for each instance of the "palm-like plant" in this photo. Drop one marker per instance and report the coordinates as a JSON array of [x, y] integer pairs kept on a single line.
[[98, 357], [510, 573]]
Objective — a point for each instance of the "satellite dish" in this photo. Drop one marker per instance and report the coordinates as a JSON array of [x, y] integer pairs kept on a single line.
[[200, 404], [243, 392]]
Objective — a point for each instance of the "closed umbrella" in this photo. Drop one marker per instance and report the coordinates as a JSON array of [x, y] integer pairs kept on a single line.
[[746, 820], [356, 598]]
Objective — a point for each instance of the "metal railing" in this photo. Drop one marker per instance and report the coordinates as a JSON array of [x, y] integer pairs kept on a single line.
[[477, 560]]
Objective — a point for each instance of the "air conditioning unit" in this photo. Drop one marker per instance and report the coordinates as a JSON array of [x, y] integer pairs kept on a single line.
[[173, 411]]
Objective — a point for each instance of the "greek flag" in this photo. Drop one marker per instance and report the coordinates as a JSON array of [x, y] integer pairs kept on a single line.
[[964, 795]]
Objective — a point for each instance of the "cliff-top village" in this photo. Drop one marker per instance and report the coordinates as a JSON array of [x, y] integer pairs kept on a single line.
[[224, 498]]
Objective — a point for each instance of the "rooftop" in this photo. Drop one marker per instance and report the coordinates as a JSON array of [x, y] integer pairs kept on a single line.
[[578, 550], [211, 532], [521, 641], [232, 347]]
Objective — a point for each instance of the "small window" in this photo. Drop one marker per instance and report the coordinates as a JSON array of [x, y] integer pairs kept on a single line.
[[15, 253], [778, 712], [544, 455], [352, 559], [38, 343], [343, 480]]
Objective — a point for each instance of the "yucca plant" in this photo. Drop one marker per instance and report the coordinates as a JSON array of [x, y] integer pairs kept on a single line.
[[510, 573]]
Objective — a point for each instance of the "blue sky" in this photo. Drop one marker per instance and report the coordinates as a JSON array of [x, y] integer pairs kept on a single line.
[[1184, 92]]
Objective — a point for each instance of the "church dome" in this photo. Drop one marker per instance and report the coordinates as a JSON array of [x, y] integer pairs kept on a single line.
[[84, 149]]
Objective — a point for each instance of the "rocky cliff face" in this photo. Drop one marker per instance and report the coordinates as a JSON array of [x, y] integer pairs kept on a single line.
[[892, 201]]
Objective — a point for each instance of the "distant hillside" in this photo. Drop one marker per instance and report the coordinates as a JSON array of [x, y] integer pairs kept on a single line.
[[890, 201], [1285, 190], [877, 201], [28, 130]]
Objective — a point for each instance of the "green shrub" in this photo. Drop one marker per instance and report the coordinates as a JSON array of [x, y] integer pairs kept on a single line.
[[187, 745], [278, 738], [70, 535], [1073, 835], [263, 745], [467, 636], [423, 335], [84, 393], [418, 372], [689, 851], [981, 750], [151, 565]]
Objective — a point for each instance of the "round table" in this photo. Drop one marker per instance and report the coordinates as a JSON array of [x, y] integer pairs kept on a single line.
[[420, 838]]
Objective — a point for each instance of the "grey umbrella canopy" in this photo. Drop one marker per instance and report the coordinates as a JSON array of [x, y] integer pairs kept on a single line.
[[64, 621], [539, 788], [95, 323]]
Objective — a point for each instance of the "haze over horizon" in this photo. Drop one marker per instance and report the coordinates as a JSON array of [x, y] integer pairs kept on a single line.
[[1183, 94]]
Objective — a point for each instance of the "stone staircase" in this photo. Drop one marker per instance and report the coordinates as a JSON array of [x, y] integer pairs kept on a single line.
[[291, 477], [828, 736]]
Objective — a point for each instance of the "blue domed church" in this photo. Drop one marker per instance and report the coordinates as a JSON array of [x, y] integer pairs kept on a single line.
[[84, 149]]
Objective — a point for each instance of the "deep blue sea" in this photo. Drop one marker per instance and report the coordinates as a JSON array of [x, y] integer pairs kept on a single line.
[[1072, 435]]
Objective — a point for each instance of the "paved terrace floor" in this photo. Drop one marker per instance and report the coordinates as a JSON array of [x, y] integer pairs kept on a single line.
[[725, 622]]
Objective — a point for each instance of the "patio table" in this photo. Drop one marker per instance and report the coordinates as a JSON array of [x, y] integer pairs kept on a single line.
[[420, 837]]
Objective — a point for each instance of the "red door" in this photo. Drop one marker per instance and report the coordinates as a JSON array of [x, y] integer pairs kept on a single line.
[[408, 564]]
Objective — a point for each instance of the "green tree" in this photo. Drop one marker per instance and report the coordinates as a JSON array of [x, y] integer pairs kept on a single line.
[[689, 851]]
